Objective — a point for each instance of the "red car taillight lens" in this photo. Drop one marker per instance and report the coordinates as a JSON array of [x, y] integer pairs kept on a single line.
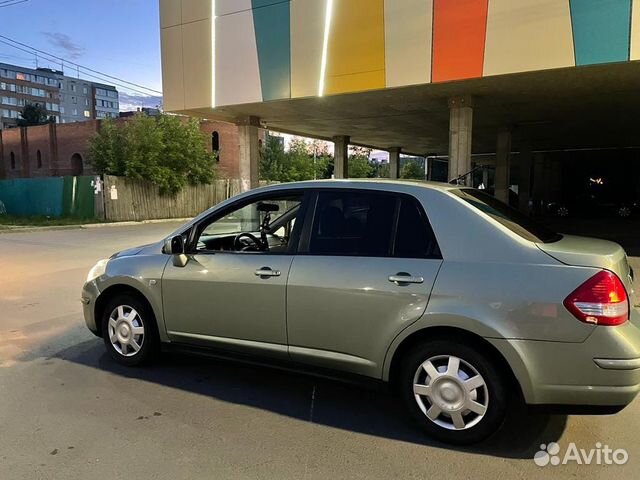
[[601, 300]]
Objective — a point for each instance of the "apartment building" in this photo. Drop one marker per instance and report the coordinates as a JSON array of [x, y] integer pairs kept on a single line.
[[66, 98]]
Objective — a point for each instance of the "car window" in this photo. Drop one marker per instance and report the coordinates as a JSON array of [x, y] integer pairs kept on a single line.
[[414, 235], [511, 218], [264, 225], [353, 223]]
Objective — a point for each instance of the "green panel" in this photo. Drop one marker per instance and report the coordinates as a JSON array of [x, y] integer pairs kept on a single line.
[[601, 30], [32, 196], [78, 197], [273, 38]]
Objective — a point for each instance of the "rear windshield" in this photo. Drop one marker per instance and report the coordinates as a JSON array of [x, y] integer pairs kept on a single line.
[[515, 221]]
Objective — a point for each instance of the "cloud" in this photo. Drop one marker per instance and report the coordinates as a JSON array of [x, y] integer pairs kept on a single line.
[[131, 101], [64, 42]]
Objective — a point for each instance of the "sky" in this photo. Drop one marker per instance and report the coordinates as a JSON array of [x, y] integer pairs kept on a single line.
[[117, 37]]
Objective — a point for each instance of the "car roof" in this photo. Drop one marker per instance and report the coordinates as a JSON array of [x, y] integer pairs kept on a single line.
[[371, 183]]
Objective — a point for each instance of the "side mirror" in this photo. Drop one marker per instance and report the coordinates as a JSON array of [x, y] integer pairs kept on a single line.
[[177, 245]]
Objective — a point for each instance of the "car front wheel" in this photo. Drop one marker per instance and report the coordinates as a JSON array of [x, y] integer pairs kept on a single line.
[[129, 332], [454, 392]]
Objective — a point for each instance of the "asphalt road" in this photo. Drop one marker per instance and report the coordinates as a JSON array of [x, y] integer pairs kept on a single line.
[[68, 412]]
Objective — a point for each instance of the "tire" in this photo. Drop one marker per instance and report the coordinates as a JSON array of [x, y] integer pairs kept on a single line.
[[129, 341], [453, 393]]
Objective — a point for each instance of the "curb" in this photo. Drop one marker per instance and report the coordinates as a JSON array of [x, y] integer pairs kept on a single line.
[[87, 226]]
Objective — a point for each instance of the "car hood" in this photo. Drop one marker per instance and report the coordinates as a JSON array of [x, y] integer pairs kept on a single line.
[[129, 252], [590, 252]]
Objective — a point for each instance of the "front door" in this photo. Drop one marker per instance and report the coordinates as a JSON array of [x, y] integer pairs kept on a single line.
[[231, 293], [365, 273]]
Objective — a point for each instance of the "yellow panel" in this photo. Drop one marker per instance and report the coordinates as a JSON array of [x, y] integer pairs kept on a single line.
[[198, 68], [194, 10], [408, 28], [356, 47], [307, 35], [172, 71], [527, 35], [170, 13], [635, 30]]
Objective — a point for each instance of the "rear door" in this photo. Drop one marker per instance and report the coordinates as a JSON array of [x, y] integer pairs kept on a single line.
[[366, 266]]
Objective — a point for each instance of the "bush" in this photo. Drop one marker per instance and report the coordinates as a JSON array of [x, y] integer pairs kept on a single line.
[[166, 150]]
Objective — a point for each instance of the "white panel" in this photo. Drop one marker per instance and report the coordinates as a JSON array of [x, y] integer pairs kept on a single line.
[[172, 68], [635, 31], [408, 26], [170, 13], [196, 39], [528, 35], [225, 7], [237, 71], [307, 35], [194, 10]]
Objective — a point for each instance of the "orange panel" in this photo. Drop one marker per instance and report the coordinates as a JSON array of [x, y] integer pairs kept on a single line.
[[459, 28]]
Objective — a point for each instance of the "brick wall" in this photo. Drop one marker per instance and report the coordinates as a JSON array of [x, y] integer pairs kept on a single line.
[[64, 147]]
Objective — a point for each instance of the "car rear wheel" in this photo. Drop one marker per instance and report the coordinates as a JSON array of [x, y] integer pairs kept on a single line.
[[624, 212], [454, 391], [563, 212], [129, 330]]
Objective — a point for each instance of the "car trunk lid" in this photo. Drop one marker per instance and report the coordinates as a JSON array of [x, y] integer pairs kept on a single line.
[[591, 252]]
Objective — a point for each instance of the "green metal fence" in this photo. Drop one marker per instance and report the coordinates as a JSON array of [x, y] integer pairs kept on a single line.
[[49, 196]]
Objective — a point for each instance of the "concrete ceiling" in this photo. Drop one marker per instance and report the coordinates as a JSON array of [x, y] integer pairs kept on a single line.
[[584, 107]]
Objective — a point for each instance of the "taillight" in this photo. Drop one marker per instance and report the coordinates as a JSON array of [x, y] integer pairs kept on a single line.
[[601, 300]]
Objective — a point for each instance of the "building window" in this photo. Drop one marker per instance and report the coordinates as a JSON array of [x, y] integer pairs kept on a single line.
[[215, 145], [74, 100], [85, 90], [73, 87], [87, 114], [77, 166], [74, 112], [39, 159]]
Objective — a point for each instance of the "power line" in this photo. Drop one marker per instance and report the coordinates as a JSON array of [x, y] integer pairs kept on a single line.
[[126, 87], [7, 3], [80, 66]]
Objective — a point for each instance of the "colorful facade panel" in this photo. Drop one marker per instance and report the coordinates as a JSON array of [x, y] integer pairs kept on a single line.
[[237, 72], [273, 39], [307, 38], [408, 41], [635, 30], [355, 54], [601, 30], [459, 30], [528, 35], [231, 52]]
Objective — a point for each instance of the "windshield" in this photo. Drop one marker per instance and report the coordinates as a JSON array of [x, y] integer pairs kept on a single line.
[[511, 218]]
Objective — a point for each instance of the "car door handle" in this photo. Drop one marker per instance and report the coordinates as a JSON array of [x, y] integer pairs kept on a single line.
[[400, 278], [267, 272]]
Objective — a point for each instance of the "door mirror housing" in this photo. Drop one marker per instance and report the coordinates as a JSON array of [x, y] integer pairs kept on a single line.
[[174, 245]]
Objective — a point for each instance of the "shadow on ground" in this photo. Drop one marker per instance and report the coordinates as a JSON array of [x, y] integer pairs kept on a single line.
[[354, 407]]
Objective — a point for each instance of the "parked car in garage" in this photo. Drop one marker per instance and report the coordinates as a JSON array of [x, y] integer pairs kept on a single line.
[[464, 305]]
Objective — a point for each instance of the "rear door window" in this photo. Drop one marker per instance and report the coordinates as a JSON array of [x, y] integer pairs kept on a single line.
[[509, 217]]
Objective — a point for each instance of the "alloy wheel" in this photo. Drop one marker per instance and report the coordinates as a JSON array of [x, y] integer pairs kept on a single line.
[[450, 392], [126, 330]]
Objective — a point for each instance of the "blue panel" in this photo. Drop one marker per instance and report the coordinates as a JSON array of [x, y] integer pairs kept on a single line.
[[273, 38], [601, 30]]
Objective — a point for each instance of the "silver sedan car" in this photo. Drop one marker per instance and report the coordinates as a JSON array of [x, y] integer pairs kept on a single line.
[[461, 303]]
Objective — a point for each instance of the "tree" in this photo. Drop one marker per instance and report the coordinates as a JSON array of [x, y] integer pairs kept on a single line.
[[167, 150], [302, 161], [412, 170], [34, 114]]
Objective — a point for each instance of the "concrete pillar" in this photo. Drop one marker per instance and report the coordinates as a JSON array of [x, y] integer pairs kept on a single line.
[[249, 155], [341, 157], [503, 165], [394, 162], [525, 161], [460, 136]]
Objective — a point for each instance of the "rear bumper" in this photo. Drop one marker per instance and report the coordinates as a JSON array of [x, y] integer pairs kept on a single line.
[[602, 371]]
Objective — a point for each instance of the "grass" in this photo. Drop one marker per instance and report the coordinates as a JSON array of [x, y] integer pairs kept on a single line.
[[9, 221]]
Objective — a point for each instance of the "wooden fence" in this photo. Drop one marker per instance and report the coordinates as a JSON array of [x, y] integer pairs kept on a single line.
[[126, 199]]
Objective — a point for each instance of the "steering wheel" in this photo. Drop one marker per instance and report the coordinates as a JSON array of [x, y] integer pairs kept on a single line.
[[239, 245]]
